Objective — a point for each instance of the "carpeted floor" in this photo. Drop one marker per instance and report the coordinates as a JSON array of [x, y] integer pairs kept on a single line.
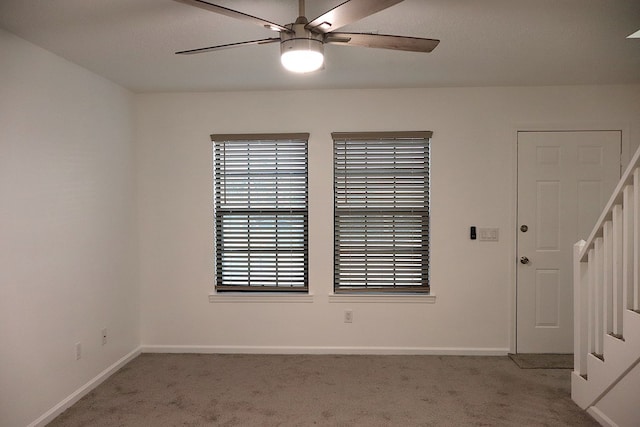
[[305, 390]]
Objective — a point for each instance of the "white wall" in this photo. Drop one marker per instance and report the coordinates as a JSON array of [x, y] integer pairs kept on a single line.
[[619, 407], [473, 183], [67, 228]]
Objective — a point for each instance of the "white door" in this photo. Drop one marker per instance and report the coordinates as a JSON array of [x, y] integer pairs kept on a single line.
[[564, 181]]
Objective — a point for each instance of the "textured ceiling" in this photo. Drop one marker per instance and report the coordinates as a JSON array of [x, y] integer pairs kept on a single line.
[[483, 43]]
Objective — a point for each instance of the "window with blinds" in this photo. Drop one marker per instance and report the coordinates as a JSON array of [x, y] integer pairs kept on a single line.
[[381, 212], [261, 215]]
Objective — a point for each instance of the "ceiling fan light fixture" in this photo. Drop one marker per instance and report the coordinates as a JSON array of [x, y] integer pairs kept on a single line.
[[302, 54]]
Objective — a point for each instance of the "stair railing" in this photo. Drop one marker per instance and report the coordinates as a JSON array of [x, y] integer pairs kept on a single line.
[[606, 271]]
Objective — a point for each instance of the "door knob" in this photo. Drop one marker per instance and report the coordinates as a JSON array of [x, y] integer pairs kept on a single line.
[[524, 228], [524, 260]]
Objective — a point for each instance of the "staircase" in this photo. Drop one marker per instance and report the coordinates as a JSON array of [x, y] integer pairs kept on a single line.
[[606, 376]]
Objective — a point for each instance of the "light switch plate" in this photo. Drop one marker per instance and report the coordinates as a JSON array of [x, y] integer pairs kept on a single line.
[[488, 234]]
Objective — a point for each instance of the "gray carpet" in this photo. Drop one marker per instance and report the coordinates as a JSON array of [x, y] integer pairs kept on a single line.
[[543, 361], [303, 390]]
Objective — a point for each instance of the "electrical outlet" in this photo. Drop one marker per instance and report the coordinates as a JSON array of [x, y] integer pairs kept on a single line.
[[104, 336], [348, 316], [78, 351]]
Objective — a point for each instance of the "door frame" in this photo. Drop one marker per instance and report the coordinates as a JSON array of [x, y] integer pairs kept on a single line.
[[623, 128]]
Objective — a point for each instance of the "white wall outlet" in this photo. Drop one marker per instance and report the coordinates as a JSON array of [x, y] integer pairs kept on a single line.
[[488, 234], [348, 316], [104, 336], [78, 351]]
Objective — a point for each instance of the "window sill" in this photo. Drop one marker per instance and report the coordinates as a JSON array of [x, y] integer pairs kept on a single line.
[[382, 298], [260, 298]]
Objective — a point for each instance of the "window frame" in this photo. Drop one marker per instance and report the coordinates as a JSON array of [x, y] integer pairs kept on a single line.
[[341, 230], [301, 214]]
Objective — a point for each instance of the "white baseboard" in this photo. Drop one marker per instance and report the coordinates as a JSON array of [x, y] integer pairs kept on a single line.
[[601, 417], [224, 349], [48, 416]]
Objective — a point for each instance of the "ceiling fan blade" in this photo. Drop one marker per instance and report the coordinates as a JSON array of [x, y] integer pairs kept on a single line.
[[382, 41], [235, 14], [348, 12], [227, 46]]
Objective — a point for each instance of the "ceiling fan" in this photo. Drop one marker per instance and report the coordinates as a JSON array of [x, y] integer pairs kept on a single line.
[[302, 42]]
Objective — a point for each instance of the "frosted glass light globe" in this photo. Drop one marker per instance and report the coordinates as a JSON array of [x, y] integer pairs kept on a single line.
[[301, 55]]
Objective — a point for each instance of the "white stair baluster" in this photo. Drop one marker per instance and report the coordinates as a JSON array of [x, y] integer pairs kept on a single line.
[[635, 297], [607, 279], [628, 218], [591, 309], [598, 295], [616, 277]]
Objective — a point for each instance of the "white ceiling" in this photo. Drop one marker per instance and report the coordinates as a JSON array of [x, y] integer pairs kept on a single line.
[[483, 43]]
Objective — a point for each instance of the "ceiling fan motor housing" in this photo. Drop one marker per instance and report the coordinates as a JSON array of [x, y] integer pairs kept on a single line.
[[301, 38]]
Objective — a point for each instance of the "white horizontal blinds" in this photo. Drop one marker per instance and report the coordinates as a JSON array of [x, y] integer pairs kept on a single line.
[[381, 209], [261, 213]]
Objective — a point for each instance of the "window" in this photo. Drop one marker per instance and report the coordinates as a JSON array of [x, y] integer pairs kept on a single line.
[[381, 212], [260, 202]]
